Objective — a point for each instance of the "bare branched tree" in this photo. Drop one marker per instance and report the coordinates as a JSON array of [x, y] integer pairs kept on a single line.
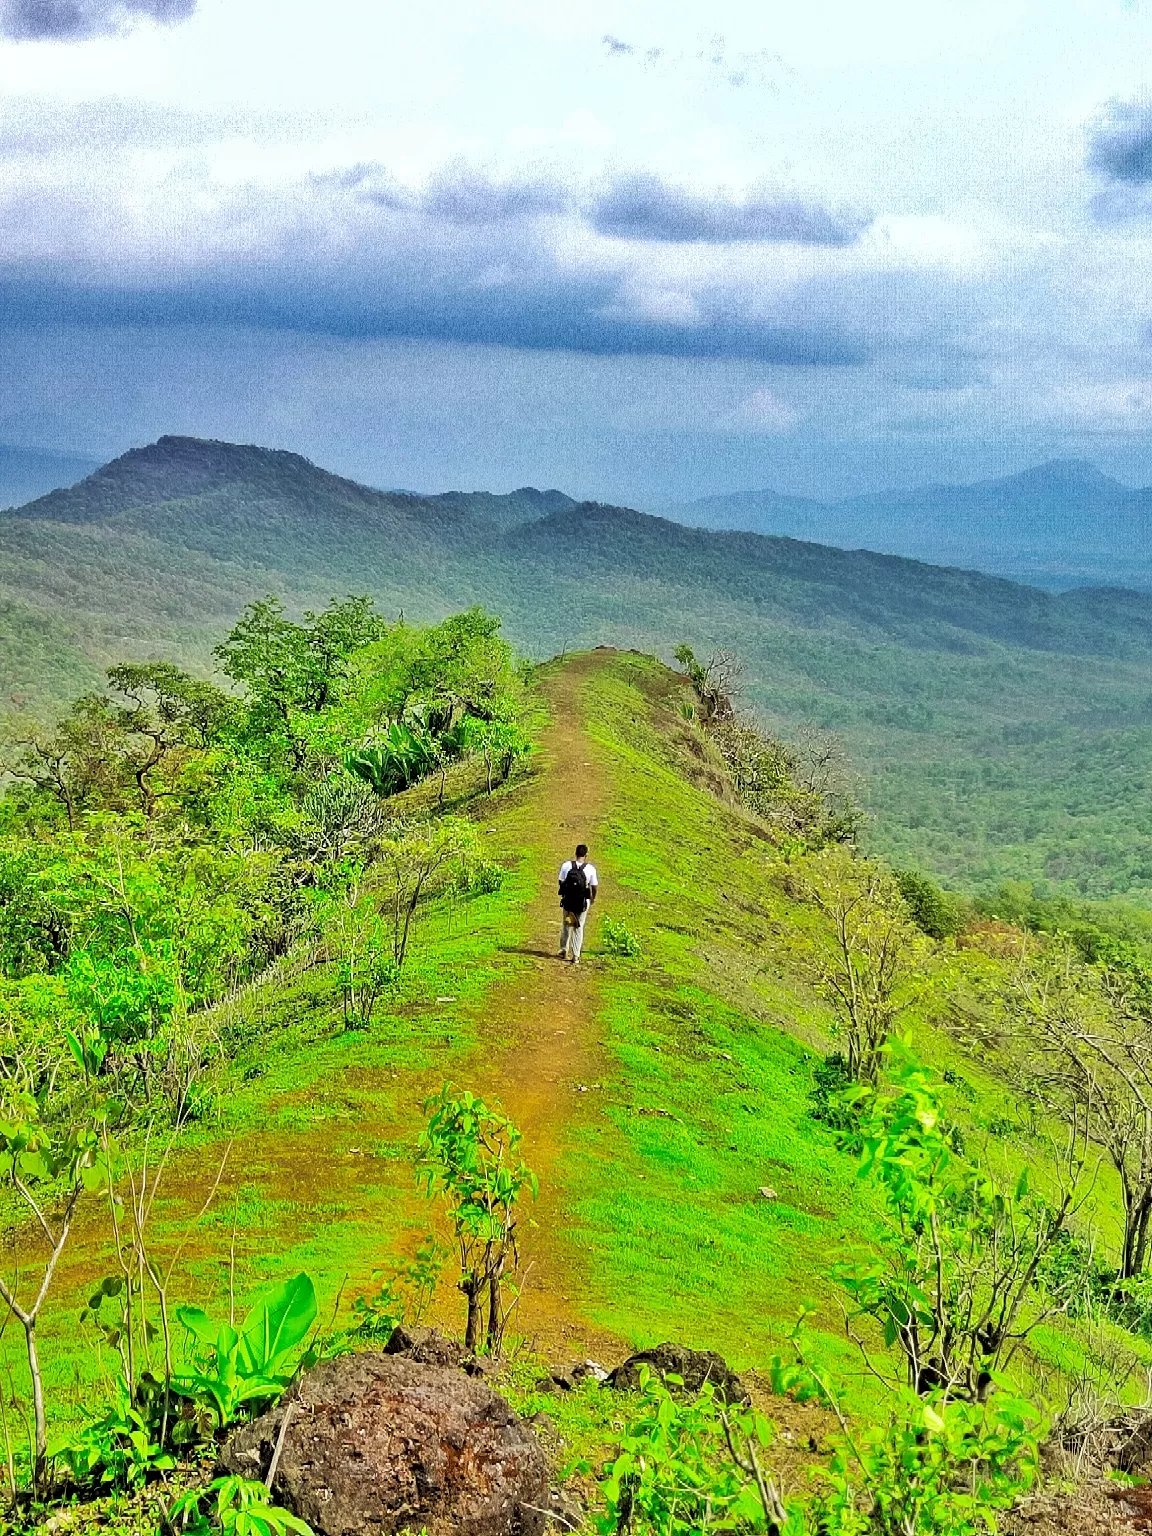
[[869, 972], [1094, 1061]]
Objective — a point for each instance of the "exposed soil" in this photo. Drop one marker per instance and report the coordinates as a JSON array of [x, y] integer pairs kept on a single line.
[[1094, 1509], [545, 1017]]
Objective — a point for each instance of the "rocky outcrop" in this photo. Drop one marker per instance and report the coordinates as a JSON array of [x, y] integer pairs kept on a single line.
[[379, 1443], [693, 1366]]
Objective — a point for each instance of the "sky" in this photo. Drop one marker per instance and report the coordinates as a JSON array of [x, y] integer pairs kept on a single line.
[[641, 251]]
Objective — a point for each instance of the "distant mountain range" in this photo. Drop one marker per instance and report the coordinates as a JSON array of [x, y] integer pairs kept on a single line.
[[1062, 524], [1000, 729]]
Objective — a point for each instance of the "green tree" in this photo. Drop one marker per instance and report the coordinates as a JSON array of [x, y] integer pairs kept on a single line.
[[469, 1154], [291, 671], [869, 971]]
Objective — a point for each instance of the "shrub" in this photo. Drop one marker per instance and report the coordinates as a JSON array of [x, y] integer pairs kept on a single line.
[[829, 1100], [619, 939]]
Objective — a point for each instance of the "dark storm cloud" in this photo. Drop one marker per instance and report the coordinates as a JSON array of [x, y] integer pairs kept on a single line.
[[550, 315], [646, 208], [1120, 145], [67, 20]]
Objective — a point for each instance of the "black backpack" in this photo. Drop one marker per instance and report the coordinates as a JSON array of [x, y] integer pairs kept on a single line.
[[574, 889]]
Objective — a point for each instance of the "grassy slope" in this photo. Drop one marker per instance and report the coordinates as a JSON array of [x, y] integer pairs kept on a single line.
[[703, 1050]]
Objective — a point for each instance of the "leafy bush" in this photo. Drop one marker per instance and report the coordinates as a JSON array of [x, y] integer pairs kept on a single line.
[[240, 1508], [936, 912], [248, 1365], [686, 1466], [480, 877], [118, 1450], [618, 939], [830, 1099], [954, 1287]]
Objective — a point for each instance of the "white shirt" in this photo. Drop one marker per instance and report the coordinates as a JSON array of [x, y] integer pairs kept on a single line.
[[589, 874]]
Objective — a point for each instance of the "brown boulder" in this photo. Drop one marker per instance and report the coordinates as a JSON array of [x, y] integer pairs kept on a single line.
[[693, 1366], [378, 1444], [427, 1346]]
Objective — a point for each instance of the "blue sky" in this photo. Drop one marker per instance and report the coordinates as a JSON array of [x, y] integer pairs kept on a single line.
[[641, 251]]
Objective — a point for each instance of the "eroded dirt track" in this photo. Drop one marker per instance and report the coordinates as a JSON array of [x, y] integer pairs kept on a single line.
[[548, 1065]]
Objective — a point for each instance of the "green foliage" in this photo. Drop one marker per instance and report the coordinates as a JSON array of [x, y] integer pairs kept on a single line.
[[830, 1100], [618, 939], [953, 1289], [398, 758], [938, 914], [685, 1466], [248, 1365], [237, 1506], [933, 1467], [469, 1155], [119, 1450], [403, 1294]]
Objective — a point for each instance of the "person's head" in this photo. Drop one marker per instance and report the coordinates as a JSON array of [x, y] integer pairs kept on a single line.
[[581, 852]]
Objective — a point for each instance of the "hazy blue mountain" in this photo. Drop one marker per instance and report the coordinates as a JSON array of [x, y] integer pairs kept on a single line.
[[1058, 525], [29, 472], [1000, 730]]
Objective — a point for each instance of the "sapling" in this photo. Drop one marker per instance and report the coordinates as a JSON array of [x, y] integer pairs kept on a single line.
[[71, 1160], [469, 1154]]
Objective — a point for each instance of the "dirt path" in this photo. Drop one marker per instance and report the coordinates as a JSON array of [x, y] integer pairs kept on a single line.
[[545, 1016]]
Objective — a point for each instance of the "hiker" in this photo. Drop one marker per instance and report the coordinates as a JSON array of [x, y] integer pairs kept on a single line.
[[578, 882]]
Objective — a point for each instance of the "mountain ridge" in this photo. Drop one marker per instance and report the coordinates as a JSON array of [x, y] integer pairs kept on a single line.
[[1059, 524], [1000, 730]]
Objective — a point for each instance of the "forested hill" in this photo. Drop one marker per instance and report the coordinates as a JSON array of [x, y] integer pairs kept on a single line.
[[999, 730]]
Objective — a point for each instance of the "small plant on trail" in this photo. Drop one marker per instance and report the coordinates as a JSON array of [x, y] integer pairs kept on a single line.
[[248, 1365], [469, 1154], [619, 939], [403, 1295], [955, 1287], [237, 1507]]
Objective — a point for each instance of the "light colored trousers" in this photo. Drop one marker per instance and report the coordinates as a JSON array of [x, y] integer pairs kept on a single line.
[[572, 937]]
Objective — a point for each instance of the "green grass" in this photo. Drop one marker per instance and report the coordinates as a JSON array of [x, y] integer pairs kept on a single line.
[[707, 1041]]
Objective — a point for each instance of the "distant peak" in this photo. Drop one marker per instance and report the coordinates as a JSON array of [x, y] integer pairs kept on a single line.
[[1069, 474]]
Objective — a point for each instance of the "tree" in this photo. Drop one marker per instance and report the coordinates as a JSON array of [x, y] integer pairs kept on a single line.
[[82, 763], [412, 859], [166, 710], [715, 682], [293, 671], [1094, 1067], [69, 1160], [869, 970], [469, 1154]]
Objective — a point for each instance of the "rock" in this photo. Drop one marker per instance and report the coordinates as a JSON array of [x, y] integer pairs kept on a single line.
[[426, 1346], [693, 1366], [379, 1443], [768, 1194]]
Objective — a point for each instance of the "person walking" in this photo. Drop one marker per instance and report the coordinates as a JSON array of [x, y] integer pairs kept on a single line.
[[578, 881]]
